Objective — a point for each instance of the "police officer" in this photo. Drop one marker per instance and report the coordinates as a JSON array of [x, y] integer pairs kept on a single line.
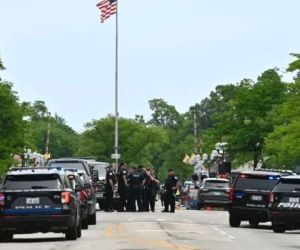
[[109, 188], [122, 187], [152, 189], [171, 188], [135, 181]]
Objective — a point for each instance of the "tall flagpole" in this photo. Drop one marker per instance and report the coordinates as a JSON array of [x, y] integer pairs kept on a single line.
[[116, 95]]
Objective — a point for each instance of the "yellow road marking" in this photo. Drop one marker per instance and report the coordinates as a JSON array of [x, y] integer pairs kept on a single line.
[[109, 231]]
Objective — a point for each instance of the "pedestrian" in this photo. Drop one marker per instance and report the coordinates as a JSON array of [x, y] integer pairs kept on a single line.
[[171, 184], [122, 187], [109, 188], [152, 189], [142, 197], [135, 181]]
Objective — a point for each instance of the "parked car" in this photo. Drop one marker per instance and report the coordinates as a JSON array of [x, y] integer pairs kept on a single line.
[[100, 181], [249, 197], [213, 192], [86, 176], [38, 200], [284, 204], [78, 186]]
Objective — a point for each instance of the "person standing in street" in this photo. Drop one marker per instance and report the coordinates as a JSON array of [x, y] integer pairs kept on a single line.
[[171, 184], [152, 189], [122, 187], [135, 181], [109, 188]]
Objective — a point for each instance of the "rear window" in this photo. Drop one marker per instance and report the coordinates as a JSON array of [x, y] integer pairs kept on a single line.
[[288, 185], [69, 165], [256, 182], [216, 184], [101, 168], [46, 181]]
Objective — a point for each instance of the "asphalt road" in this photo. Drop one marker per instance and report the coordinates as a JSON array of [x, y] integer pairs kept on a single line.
[[184, 230]]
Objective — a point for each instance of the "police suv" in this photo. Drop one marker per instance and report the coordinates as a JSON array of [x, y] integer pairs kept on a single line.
[[38, 200], [249, 196], [284, 204]]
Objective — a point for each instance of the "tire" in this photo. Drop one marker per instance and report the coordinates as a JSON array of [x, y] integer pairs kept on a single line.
[[71, 233], [85, 223], [5, 236], [92, 219], [79, 230], [234, 221], [253, 223], [278, 228]]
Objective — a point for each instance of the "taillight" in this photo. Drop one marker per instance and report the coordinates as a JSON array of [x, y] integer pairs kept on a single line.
[[2, 199], [231, 194], [65, 198], [271, 197]]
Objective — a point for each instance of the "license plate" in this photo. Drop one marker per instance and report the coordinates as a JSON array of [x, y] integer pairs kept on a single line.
[[32, 200], [216, 193], [99, 195], [294, 199], [256, 197]]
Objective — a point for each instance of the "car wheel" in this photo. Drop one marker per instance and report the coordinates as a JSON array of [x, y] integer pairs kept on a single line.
[[5, 236], [278, 228], [234, 221], [253, 223], [71, 233], [92, 219], [79, 230], [85, 223]]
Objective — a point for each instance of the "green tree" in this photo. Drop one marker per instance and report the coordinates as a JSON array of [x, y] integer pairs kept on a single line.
[[295, 65], [11, 125], [139, 143], [163, 114]]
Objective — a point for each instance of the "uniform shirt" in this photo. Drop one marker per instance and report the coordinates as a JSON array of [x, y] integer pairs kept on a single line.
[[135, 179], [110, 175], [122, 173], [171, 182]]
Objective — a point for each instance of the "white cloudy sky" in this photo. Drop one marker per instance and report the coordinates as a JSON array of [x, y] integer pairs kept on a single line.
[[58, 51]]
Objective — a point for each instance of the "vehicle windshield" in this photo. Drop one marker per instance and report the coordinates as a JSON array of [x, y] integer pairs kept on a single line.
[[256, 182], [45, 181], [68, 165], [216, 184]]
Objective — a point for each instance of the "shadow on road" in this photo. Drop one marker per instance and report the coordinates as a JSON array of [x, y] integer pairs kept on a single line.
[[38, 240]]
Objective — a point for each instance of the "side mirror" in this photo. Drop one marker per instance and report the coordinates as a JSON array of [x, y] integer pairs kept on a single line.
[[95, 175], [87, 186], [78, 188]]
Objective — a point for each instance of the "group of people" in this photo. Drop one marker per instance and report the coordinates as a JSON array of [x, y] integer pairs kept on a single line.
[[138, 188]]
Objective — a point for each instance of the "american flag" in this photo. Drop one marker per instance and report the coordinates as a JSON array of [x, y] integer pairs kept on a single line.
[[108, 8]]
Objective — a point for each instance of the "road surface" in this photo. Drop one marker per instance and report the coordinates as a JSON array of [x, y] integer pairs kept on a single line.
[[184, 230]]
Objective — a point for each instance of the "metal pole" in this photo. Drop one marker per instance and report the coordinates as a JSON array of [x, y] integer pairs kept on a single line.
[[116, 95], [195, 134], [48, 134]]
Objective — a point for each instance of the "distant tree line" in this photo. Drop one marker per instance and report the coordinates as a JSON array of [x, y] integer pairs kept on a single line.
[[259, 119]]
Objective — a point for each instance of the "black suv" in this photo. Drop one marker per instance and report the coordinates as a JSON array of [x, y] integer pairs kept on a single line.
[[249, 197], [38, 200], [100, 181], [82, 167], [284, 206]]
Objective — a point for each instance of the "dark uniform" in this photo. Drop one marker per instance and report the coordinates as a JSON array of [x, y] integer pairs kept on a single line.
[[122, 189], [152, 191], [171, 188], [135, 180], [109, 192]]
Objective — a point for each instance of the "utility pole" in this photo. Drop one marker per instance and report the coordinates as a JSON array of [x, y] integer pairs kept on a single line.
[[48, 134], [195, 134]]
